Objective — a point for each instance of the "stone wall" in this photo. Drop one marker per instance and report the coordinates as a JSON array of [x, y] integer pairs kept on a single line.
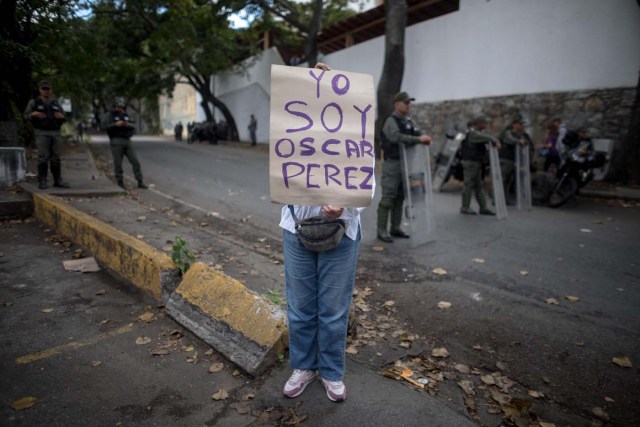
[[604, 113]]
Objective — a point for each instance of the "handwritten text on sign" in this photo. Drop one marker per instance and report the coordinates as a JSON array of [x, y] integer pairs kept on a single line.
[[321, 142]]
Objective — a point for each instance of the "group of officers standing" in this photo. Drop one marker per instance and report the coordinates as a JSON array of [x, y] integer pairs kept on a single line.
[[398, 129]]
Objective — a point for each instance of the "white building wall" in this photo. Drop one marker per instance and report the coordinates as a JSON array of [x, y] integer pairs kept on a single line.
[[249, 93], [504, 47]]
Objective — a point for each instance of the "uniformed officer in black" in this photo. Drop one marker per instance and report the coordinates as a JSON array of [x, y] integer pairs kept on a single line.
[[47, 116], [120, 131], [510, 139], [397, 129], [473, 152]]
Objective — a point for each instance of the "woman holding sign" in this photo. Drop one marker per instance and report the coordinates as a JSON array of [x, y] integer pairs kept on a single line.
[[319, 286]]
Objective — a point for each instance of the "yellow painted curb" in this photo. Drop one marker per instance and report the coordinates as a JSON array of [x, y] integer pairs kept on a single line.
[[245, 327], [135, 260]]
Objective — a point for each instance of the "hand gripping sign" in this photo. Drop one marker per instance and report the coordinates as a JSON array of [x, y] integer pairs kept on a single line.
[[321, 137]]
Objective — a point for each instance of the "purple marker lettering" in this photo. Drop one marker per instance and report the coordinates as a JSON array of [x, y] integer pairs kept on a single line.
[[363, 118], [285, 170], [326, 144], [298, 114], [279, 152], [347, 177], [366, 148], [317, 78], [366, 183], [351, 147], [324, 110], [335, 84], [331, 176], [309, 175], [309, 150]]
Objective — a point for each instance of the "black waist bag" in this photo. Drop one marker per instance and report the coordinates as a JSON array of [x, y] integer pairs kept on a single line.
[[318, 233]]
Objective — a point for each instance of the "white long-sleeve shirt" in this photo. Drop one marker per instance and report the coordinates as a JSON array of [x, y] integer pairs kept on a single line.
[[351, 216]]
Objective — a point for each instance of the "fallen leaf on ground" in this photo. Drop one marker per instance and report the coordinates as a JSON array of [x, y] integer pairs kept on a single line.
[[216, 367], [478, 260], [377, 248], [488, 379], [552, 301], [580, 343], [620, 289], [143, 340], [101, 292], [439, 271], [208, 352], [585, 230], [248, 396], [159, 352], [623, 362], [146, 317], [572, 298], [351, 350], [467, 387], [220, 395], [524, 273], [188, 348], [543, 424], [242, 408], [47, 310], [440, 352], [96, 363], [193, 359], [535, 394], [463, 369], [444, 305], [141, 218], [389, 304], [600, 413], [24, 403]]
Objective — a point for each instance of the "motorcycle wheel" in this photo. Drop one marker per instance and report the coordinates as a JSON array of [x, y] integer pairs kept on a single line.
[[563, 192]]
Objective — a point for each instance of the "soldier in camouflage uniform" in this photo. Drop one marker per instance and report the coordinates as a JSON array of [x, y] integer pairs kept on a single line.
[[473, 152], [120, 131], [510, 139], [47, 116], [398, 129]]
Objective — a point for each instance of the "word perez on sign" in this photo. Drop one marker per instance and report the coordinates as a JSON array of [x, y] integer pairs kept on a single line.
[[321, 137]]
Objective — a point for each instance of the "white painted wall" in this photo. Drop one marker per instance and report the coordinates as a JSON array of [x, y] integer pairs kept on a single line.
[[249, 93], [504, 47]]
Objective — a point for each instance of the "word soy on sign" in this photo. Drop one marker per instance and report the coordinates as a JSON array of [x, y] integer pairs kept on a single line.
[[322, 139]]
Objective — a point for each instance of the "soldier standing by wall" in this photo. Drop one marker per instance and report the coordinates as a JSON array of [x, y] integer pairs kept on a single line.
[[253, 126], [473, 152], [47, 117], [510, 140], [397, 129], [120, 132]]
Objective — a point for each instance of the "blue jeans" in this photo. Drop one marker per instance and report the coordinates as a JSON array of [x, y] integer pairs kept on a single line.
[[319, 287]]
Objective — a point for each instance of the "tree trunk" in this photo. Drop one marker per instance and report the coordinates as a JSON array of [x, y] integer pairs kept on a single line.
[[311, 44], [393, 69], [625, 166]]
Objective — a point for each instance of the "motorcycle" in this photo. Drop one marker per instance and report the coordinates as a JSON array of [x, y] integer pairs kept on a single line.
[[576, 171]]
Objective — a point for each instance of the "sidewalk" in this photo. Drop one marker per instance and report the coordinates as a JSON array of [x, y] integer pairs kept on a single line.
[[70, 338]]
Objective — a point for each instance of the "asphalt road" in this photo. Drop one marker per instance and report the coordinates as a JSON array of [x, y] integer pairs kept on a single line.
[[500, 275]]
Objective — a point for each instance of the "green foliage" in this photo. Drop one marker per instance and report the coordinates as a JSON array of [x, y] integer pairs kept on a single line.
[[275, 296], [182, 256]]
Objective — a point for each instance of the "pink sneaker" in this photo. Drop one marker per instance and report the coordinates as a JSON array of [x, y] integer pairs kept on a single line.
[[298, 381], [336, 391]]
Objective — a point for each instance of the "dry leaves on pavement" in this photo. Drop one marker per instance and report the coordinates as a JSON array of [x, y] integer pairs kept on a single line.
[[23, 403]]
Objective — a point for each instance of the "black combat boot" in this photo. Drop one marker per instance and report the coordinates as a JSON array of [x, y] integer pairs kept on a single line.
[[57, 176], [141, 185], [121, 185], [43, 169]]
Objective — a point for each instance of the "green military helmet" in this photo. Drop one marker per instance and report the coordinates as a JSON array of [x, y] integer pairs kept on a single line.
[[119, 103]]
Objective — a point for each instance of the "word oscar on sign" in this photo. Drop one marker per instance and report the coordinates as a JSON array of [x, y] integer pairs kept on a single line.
[[321, 142]]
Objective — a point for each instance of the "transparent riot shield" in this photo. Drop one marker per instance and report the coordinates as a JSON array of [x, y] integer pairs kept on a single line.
[[496, 181], [523, 178], [445, 160], [418, 193]]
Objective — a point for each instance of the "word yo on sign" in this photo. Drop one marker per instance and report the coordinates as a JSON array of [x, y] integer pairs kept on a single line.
[[321, 137]]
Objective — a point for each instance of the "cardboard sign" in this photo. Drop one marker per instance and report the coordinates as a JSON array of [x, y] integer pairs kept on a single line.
[[321, 137]]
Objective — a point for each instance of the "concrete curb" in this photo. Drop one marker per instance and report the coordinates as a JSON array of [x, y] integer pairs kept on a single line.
[[141, 264], [243, 326]]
